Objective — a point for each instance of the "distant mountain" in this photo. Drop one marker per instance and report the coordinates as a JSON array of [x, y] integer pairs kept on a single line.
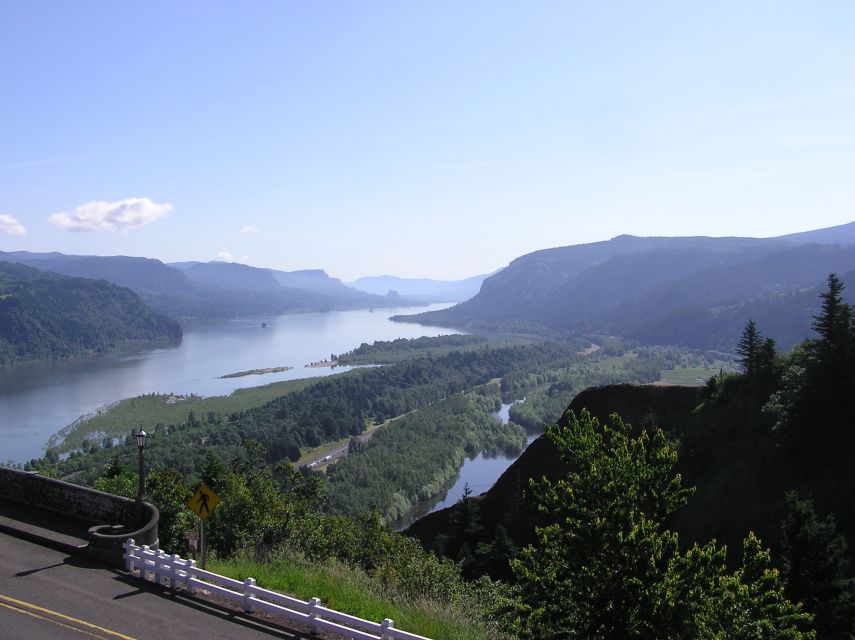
[[422, 288], [841, 234], [145, 276], [229, 275], [695, 292], [208, 289], [46, 315], [318, 281]]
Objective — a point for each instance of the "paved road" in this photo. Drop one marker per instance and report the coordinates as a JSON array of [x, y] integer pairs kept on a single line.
[[45, 594]]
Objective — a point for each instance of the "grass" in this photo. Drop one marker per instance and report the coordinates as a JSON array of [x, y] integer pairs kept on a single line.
[[694, 376], [349, 591], [149, 410]]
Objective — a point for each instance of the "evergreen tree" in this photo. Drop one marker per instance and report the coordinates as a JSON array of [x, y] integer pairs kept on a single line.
[[766, 359], [833, 324], [750, 348], [815, 566], [214, 472]]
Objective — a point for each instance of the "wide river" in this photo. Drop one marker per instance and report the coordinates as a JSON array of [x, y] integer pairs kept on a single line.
[[38, 399]]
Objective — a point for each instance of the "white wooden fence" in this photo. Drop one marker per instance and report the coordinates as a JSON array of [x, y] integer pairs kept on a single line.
[[158, 567]]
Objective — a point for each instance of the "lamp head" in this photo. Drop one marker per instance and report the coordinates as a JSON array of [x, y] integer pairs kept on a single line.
[[140, 436]]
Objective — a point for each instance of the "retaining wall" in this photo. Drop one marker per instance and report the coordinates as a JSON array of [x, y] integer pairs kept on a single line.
[[113, 518]]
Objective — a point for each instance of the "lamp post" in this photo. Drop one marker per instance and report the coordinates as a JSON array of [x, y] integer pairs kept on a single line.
[[141, 496]]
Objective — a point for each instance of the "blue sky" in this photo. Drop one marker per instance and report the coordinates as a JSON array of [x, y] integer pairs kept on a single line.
[[432, 139]]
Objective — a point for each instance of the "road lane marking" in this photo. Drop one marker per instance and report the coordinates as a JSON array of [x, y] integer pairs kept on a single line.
[[29, 609], [56, 622]]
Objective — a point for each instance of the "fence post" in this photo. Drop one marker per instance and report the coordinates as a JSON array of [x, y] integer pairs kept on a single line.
[[143, 562], [129, 555], [191, 570], [313, 624], [174, 571], [384, 629], [159, 566], [247, 595]]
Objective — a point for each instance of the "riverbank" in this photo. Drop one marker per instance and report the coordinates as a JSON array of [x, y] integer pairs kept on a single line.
[[322, 364], [256, 372]]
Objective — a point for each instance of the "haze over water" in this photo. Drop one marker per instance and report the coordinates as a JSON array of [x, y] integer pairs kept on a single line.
[[39, 399]]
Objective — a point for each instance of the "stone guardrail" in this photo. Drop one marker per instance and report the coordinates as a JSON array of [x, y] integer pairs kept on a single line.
[[114, 518]]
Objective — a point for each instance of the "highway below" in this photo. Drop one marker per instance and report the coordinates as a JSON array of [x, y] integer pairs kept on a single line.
[[46, 594]]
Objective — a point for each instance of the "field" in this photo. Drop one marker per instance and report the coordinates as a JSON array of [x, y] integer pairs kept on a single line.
[[145, 412], [694, 376]]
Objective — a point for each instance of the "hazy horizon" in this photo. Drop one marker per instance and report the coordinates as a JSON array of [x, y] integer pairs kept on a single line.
[[423, 141], [371, 275]]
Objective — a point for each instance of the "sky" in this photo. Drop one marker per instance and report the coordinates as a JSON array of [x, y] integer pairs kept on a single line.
[[420, 139]]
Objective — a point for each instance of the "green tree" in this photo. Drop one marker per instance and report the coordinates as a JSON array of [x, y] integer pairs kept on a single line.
[[167, 491], [833, 324], [606, 567], [815, 566], [752, 603], [749, 348], [596, 571]]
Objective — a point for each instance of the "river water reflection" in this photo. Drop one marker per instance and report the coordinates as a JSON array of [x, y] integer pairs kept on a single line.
[[480, 473], [38, 399]]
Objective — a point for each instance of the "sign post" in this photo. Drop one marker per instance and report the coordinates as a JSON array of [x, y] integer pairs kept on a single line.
[[203, 503], [192, 538]]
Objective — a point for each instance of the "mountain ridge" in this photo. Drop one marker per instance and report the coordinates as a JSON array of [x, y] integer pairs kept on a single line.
[[189, 290], [45, 315], [609, 287]]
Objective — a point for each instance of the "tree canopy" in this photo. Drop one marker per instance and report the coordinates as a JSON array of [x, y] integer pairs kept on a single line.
[[605, 566]]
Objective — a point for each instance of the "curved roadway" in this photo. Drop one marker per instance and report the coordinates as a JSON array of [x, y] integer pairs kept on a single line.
[[45, 594]]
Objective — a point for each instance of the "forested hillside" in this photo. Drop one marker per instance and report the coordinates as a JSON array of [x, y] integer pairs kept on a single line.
[[692, 292], [622, 500], [768, 451], [329, 409], [45, 315], [207, 289]]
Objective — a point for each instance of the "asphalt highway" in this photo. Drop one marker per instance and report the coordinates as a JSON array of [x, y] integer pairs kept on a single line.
[[45, 594]]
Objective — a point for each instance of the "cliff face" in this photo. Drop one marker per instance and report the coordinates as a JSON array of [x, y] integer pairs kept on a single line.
[[504, 504], [740, 466]]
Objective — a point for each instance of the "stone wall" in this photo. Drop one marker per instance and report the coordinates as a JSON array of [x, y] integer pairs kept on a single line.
[[112, 518]]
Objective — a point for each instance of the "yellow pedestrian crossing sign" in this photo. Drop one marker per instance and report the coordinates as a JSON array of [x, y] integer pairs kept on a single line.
[[204, 501]]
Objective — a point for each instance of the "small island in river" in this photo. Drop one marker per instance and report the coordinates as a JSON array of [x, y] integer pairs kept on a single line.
[[256, 372]]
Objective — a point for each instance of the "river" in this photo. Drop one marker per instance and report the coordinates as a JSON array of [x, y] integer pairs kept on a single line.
[[480, 473], [38, 399]]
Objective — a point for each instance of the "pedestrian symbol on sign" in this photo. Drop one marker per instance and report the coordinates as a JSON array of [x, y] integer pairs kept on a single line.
[[204, 501]]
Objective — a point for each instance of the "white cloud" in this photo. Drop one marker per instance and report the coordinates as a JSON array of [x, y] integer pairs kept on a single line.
[[110, 216], [228, 256], [11, 226], [249, 229]]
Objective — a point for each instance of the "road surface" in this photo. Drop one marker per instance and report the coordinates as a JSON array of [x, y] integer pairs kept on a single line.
[[45, 594]]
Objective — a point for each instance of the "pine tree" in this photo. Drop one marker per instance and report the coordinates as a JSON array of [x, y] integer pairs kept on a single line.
[[833, 324], [750, 348], [815, 566]]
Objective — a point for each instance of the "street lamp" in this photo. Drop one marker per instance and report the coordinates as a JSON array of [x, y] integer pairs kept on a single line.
[[141, 496]]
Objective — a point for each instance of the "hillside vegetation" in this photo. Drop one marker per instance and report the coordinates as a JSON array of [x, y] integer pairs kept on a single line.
[[770, 446], [692, 292], [45, 315], [207, 289]]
